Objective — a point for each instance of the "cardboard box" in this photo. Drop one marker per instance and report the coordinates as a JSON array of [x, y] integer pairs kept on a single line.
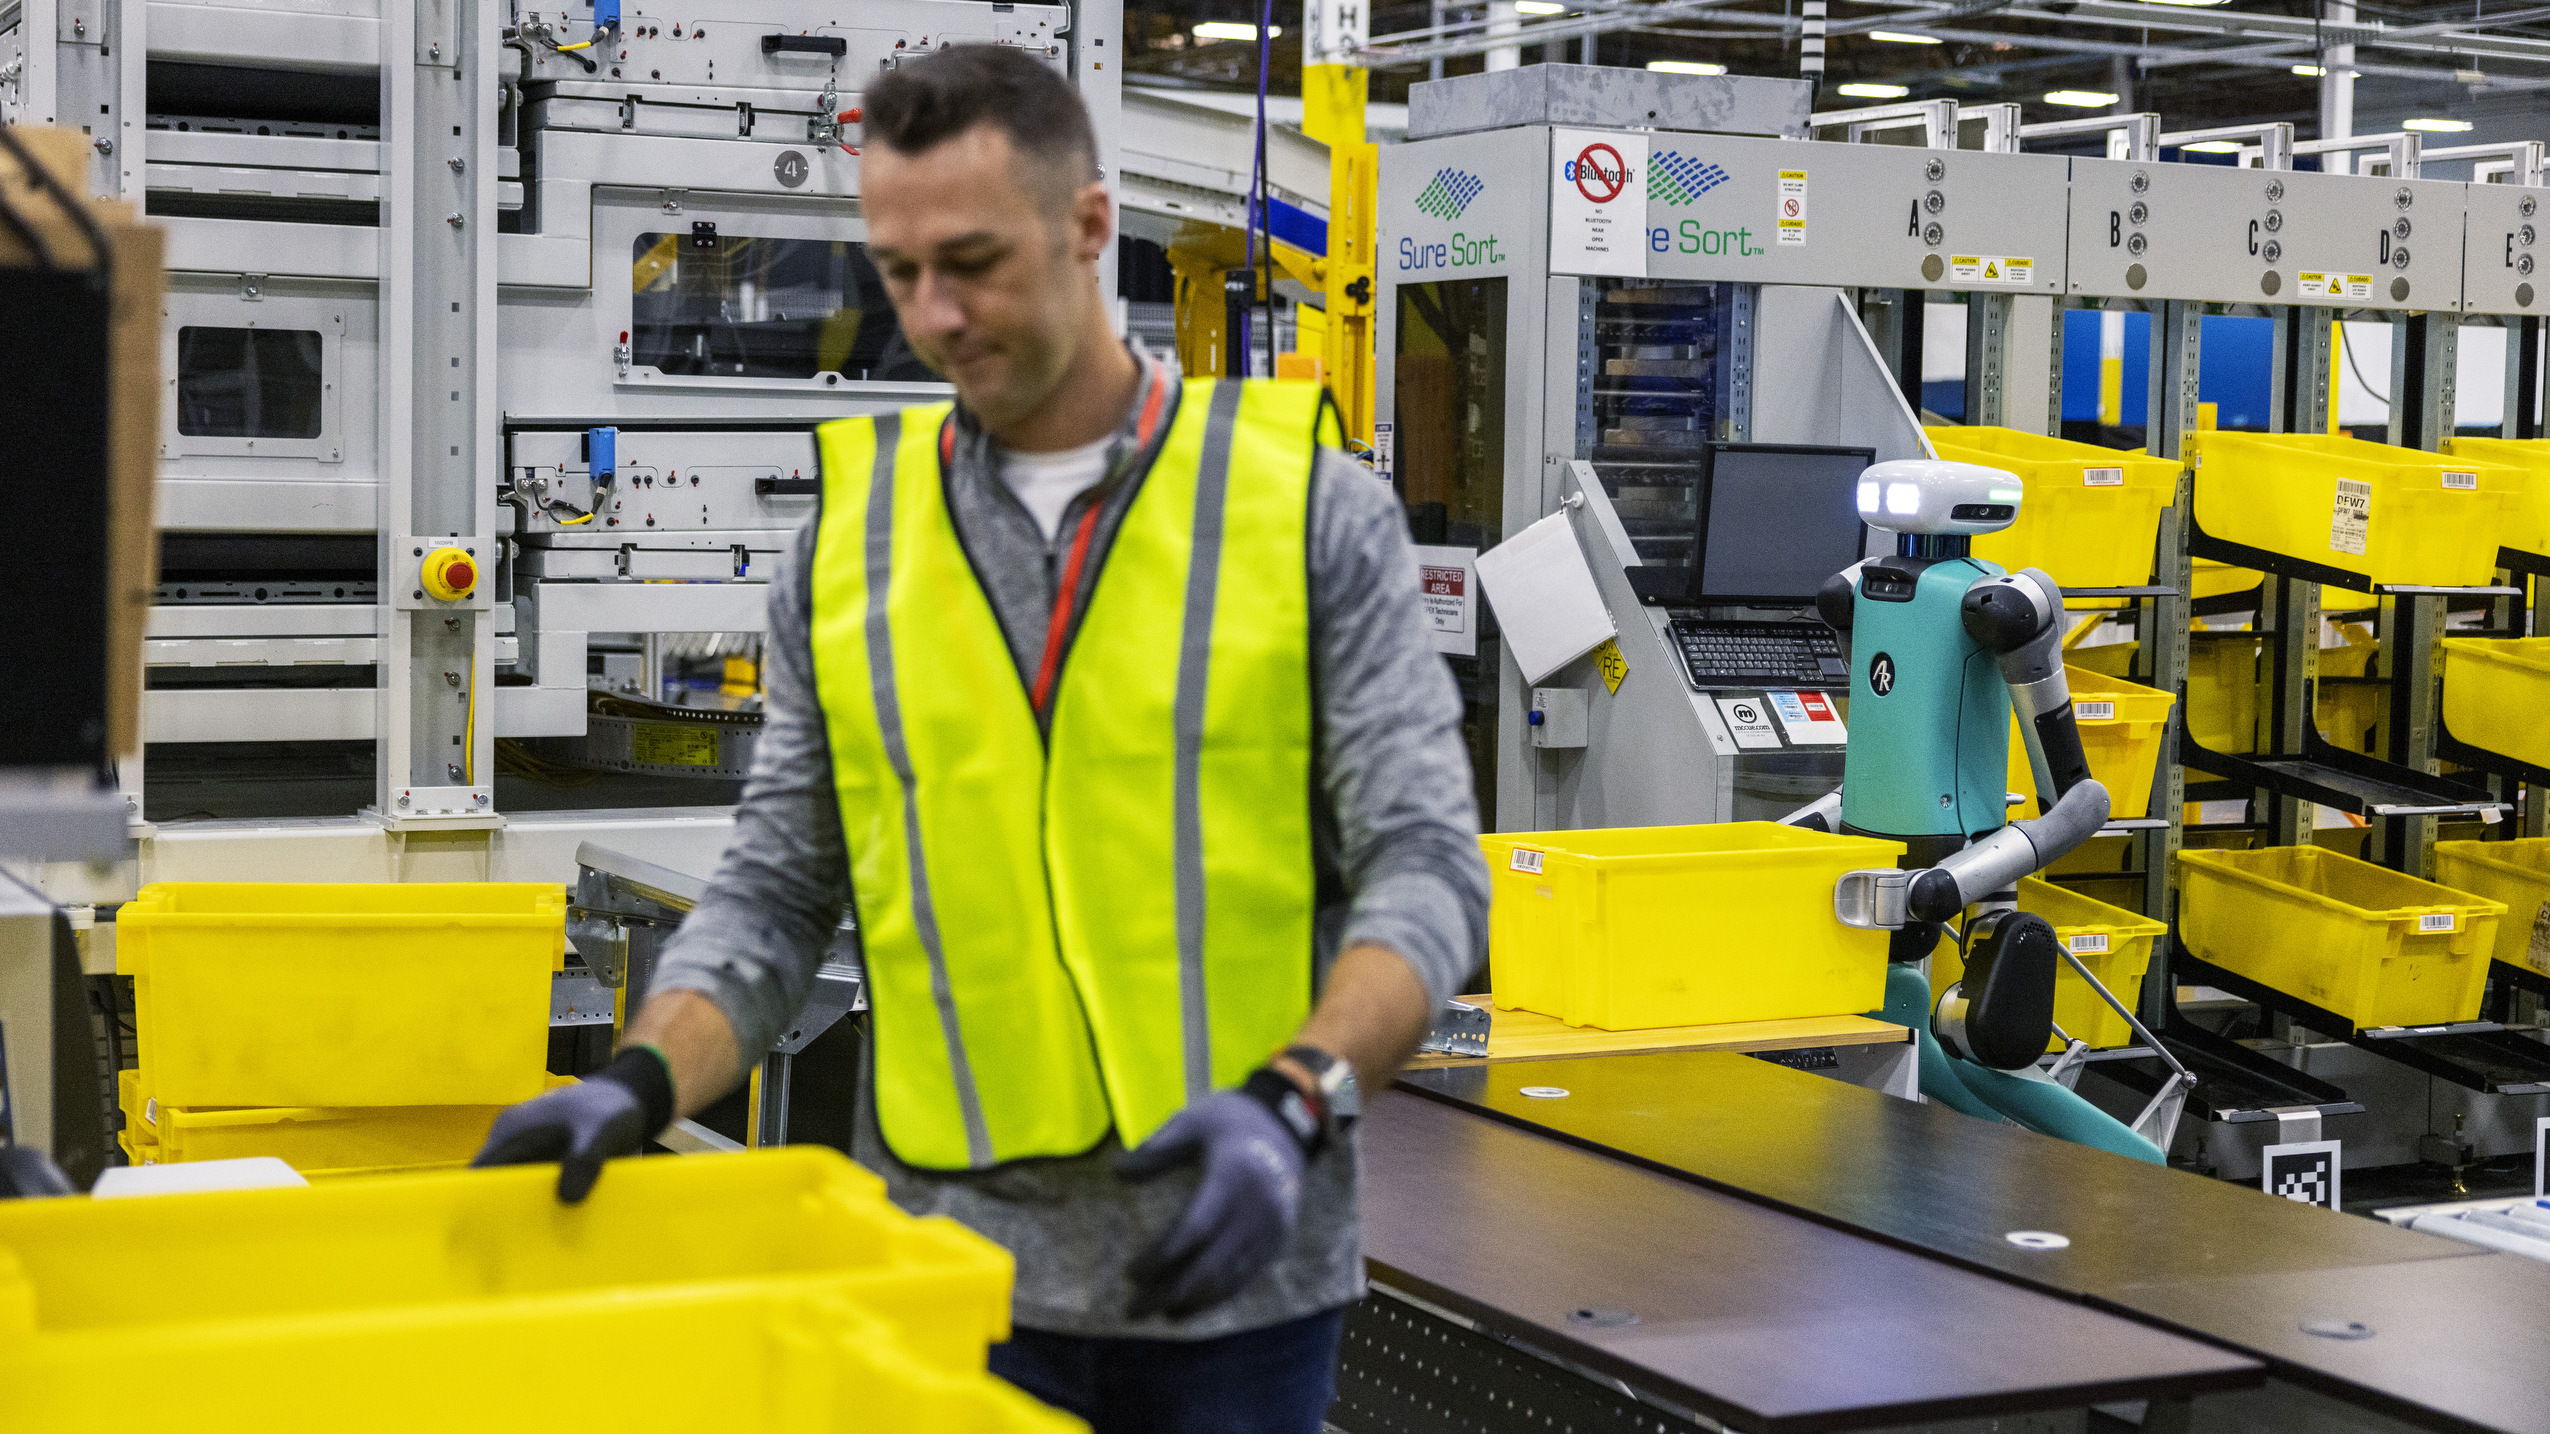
[[133, 414]]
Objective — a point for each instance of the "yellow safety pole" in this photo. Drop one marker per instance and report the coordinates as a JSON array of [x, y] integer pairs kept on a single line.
[[1333, 114]]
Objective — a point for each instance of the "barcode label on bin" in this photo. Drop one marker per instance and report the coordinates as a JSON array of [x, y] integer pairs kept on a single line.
[[2467, 482], [2094, 711], [2102, 477], [1526, 859], [2435, 921], [2087, 943], [2350, 516]]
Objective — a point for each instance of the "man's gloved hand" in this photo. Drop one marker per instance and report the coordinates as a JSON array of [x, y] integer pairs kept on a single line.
[[1252, 1143], [610, 1113]]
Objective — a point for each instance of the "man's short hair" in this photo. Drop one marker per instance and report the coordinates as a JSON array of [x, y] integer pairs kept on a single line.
[[927, 101]]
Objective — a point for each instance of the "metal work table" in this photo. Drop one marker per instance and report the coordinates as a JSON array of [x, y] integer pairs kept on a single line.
[[2461, 1336], [1742, 1313]]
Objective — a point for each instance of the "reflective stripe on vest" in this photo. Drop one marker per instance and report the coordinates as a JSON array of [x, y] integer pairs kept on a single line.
[[1082, 932]]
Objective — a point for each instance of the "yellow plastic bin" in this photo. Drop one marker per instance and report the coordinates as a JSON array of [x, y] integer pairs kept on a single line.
[[2376, 947], [2222, 691], [2395, 515], [785, 1288], [2091, 516], [2528, 525], [346, 993], [322, 1140], [2122, 726], [2113, 942], [2497, 695], [2516, 873], [1629, 928]]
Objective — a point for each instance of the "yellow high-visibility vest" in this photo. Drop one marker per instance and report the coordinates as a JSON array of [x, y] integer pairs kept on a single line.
[[1085, 933]]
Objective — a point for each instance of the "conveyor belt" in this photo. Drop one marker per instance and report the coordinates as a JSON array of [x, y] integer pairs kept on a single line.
[[1743, 1313], [2461, 1336]]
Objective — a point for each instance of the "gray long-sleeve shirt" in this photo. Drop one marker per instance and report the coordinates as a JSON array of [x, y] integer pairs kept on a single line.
[[1394, 841]]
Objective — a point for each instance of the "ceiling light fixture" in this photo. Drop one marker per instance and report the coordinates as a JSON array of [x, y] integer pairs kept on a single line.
[[1898, 37], [2216, 146], [1685, 67], [1538, 7], [2192, 4], [2437, 126], [2080, 99], [1873, 92], [1231, 30]]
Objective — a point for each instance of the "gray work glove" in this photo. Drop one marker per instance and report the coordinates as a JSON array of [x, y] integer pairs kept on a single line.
[[613, 1112], [1252, 1144]]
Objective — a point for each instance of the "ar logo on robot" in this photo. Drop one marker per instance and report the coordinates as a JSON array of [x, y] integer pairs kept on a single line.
[[1881, 674]]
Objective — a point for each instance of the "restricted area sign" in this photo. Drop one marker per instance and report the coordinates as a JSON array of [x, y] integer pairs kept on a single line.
[[1598, 203]]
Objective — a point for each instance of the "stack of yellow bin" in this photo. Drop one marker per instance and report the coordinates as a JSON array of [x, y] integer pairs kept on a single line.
[[341, 1027], [767, 1290]]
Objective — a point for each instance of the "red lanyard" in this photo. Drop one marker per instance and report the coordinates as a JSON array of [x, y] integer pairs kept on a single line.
[[1067, 595]]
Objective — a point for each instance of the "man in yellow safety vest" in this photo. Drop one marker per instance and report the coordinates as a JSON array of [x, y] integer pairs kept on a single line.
[[1105, 698]]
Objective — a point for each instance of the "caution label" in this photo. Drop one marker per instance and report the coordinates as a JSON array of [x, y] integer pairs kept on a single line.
[[2015, 269], [674, 744], [1614, 666], [1792, 207], [2350, 516], [2331, 284]]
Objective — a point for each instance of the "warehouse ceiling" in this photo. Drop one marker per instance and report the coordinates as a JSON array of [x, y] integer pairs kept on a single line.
[[2193, 63]]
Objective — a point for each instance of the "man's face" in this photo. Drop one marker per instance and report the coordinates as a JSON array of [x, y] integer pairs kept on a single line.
[[986, 266]]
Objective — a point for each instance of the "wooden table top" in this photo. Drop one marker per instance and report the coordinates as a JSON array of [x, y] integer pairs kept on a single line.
[[1530, 1036]]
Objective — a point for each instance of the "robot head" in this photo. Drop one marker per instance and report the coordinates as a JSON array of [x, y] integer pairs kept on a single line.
[[1933, 495]]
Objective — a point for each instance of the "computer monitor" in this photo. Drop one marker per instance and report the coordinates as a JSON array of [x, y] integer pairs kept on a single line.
[[1775, 520]]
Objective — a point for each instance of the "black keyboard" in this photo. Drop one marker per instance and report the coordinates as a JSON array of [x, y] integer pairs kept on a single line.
[[1759, 654]]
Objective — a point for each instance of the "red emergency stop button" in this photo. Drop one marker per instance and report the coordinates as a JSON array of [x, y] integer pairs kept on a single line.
[[450, 574]]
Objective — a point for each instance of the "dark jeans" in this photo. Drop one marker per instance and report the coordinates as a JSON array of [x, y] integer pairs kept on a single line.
[[1277, 1380]]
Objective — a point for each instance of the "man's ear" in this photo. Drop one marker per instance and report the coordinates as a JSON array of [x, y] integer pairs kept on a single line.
[[1093, 221]]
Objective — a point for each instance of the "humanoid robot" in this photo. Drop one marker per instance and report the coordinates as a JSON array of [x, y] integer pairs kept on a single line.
[[1943, 646]]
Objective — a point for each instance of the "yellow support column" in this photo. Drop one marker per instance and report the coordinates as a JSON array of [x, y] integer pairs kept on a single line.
[[1333, 114]]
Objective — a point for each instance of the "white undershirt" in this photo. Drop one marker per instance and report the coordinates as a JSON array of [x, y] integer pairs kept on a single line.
[[1047, 482]]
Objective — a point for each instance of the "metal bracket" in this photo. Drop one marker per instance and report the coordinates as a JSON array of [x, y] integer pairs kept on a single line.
[[602, 941], [1460, 1029]]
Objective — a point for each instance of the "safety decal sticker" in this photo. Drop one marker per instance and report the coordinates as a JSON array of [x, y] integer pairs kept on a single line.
[[1614, 666], [2350, 516], [1450, 192], [1792, 210], [2330, 284], [1991, 268], [1678, 178], [673, 744]]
